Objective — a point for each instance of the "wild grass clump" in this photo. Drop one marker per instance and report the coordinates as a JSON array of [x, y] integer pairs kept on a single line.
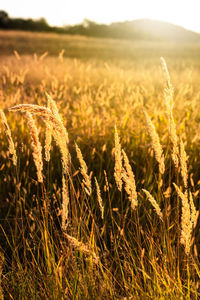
[[75, 222]]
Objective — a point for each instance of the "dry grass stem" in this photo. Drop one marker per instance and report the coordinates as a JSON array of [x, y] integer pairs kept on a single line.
[[183, 164], [2, 259], [99, 198], [174, 141], [106, 180], [129, 180], [155, 142], [11, 146], [36, 146], [154, 204], [84, 171], [48, 138], [118, 169]]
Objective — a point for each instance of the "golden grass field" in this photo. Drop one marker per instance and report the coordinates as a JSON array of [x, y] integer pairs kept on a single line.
[[83, 224]]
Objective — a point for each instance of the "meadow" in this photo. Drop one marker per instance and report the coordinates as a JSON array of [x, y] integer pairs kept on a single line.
[[100, 158]]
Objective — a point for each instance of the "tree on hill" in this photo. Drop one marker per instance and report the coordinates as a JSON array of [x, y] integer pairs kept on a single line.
[[4, 18], [23, 24]]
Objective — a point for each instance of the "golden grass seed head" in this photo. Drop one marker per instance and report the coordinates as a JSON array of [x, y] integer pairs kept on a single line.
[[186, 223], [81, 247], [48, 139], [129, 180], [99, 198], [183, 164], [154, 204], [59, 131], [194, 211], [65, 203], [84, 171], [36, 146], [166, 72], [11, 146], [53, 107], [155, 142]]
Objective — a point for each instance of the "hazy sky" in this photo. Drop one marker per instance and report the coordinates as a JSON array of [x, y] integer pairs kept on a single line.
[[61, 12]]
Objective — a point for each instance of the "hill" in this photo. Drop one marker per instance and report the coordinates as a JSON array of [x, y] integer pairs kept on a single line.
[[142, 29], [155, 30]]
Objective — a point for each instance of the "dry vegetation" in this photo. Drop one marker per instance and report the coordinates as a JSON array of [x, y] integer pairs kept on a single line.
[[100, 186]]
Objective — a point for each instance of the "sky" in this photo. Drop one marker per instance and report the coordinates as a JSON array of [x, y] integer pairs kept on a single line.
[[65, 12]]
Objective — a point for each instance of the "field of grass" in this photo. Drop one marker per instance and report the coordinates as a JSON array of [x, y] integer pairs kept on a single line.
[[82, 224]]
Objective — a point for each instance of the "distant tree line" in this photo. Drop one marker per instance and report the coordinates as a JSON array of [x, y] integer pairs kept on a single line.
[[87, 27], [135, 30], [90, 28], [22, 24]]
